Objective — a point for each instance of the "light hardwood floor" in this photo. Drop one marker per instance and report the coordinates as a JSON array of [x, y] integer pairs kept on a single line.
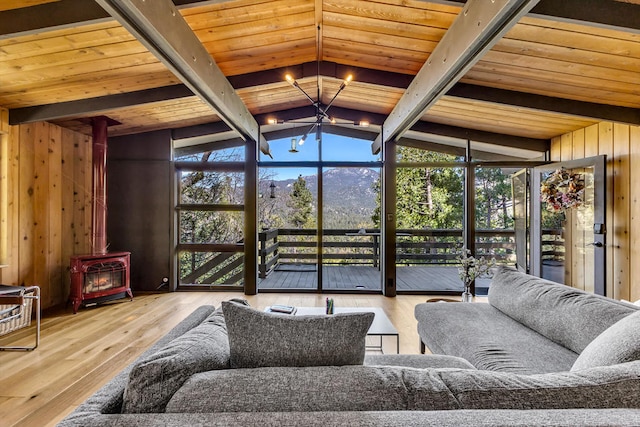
[[79, 353]]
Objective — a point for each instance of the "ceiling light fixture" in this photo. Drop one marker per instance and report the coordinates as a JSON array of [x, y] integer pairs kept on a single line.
[[321, 111]]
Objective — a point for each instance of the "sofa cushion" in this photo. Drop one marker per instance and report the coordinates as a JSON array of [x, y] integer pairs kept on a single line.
[[155, 377], [489, 339], [567, 316], [314, 388], [258, 338], [603, 387], [618, 344]]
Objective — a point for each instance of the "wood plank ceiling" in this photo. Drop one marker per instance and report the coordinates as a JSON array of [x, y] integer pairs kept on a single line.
[[547, 76]]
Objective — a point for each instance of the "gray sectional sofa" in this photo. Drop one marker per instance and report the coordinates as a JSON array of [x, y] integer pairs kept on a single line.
[[529, 326], [238, 366]]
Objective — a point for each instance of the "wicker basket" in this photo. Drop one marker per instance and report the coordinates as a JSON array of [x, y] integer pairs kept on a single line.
[[20, 321]]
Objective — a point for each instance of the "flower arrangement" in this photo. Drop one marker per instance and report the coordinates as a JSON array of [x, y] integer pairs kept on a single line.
[[471, 268], [562, 190]]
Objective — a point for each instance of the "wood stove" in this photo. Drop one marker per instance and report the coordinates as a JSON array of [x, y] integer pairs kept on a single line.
[[103, 275], [99, 278]]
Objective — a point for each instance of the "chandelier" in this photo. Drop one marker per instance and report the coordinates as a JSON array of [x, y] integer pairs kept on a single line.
[[322, 114]]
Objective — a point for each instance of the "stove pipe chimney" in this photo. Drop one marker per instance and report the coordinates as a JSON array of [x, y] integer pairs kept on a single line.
[[99, 183]]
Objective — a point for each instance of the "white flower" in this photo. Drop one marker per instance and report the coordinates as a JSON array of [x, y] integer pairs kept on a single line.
[[470, 268]]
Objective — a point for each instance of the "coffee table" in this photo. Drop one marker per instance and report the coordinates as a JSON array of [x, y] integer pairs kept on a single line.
[[380, 327]]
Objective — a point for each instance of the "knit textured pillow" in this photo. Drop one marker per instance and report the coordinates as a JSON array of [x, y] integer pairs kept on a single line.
[[619, 343], [259, 339]]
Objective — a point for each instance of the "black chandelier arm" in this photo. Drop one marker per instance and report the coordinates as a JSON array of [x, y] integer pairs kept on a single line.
[[334, 97], [295, 84]]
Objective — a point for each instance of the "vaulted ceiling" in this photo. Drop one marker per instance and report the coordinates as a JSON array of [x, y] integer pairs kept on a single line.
[[560, 66]]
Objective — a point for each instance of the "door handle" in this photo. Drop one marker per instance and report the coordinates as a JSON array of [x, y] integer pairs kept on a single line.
[[596, 244]]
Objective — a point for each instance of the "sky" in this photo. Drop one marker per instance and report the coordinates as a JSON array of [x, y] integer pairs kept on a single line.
[[334, 148]]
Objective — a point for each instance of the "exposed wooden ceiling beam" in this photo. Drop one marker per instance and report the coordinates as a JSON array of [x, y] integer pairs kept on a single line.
[[590, 110], [611, 14], [533, 144], [96, 105], [64, 14], [162, 29], [477, 28], [50, 16]]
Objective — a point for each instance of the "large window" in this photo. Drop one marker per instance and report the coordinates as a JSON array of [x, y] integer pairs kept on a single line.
[[287, 240], [494, 218], [210, 217], [319, 211], [451, 195], [316, 208], [430, 217]]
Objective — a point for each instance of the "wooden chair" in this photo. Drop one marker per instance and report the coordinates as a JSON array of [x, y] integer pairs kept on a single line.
[[16, 304]]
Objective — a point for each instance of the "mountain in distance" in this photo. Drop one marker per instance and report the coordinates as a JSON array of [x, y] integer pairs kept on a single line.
[[349, 196]]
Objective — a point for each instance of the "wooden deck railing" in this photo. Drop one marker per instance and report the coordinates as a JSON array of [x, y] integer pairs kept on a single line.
[[413, 247], [361, 247]]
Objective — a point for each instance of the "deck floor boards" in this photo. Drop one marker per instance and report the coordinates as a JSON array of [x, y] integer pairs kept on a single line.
[[350, 277]]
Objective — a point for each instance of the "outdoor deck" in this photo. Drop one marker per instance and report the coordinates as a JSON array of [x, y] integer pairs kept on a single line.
[[350, 277]]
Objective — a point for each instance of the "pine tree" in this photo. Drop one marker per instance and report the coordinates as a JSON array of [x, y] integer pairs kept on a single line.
[[427, 197], [301, 203]]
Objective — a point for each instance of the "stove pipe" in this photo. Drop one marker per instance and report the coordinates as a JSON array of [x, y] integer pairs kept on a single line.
[[99, 184]]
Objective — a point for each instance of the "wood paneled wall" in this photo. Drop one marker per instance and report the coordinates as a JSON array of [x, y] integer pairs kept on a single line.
[[47, 197], [621, 144]]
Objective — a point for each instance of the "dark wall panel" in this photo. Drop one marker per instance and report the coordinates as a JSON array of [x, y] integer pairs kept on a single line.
[[139, 200]]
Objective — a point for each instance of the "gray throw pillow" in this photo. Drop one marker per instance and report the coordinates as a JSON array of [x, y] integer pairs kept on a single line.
[[260, 339], [156, 377], [619, 343]]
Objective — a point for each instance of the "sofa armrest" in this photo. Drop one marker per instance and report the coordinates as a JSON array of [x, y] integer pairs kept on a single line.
[[108, 399]]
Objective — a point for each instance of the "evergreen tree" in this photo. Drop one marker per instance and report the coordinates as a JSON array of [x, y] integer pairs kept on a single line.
[[493, 199], [426, 197], [301, 204]]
